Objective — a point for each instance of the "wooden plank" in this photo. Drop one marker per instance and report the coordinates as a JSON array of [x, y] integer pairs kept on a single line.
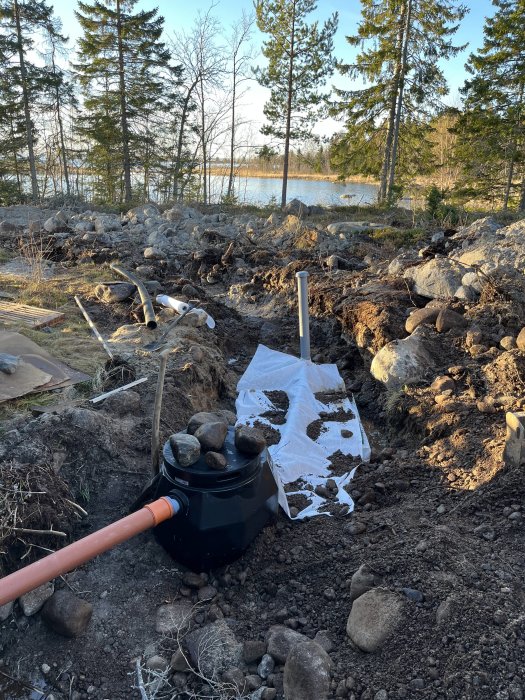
[[31, 316]]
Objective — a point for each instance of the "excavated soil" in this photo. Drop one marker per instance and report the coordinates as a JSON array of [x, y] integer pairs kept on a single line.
[[437, 515]]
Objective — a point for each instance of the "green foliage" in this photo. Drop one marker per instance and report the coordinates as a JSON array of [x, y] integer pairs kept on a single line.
[[387, 121], [398, 237], [491, 131], [434, 199], [9, 193], [120, 59]]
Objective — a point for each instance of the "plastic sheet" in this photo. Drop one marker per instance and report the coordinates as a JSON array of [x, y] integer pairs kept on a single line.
[[181, 306], [296, 456]]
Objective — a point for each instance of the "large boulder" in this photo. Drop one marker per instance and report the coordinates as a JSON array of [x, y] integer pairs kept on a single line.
[[436, 279], [281, 640], [297, 208], [403, 361], [373, 618], [307, 672]]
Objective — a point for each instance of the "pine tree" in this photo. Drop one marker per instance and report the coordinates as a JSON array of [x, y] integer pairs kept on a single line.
[[403, 81], [494, 121], [119, 56], [22, 22], [299, 62]]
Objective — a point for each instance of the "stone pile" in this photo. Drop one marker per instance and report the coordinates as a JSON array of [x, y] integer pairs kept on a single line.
[[206, 433]]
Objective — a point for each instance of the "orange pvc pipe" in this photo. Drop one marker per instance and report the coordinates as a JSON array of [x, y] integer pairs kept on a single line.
[[68, 558]]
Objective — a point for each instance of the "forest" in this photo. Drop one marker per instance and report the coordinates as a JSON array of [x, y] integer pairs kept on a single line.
[[133, 113]]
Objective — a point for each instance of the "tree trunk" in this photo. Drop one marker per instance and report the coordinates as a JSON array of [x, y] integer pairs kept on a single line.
[[229, 191], [25, 98], [514, 152], [126, 160], [407, 9], [180, 142], [521, 206], [288, 110], [62, 142], [385, 170], [203, 144]]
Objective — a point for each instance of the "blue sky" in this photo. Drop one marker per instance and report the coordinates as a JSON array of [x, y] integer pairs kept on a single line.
[[181, 15]]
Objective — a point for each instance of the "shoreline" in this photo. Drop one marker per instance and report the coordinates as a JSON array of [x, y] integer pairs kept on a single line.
[[319, 177]]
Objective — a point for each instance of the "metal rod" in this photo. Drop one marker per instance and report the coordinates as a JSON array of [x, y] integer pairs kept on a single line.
[[97, 399], [149, 313], [93, 327], [304, 321], [155, 430]]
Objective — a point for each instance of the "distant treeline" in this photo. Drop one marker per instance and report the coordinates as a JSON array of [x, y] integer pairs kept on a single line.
[[131, 115]]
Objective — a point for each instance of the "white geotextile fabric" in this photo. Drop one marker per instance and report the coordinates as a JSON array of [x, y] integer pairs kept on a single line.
[[296, 456]]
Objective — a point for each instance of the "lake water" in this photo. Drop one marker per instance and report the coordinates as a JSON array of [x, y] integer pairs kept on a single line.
[[262, 190]]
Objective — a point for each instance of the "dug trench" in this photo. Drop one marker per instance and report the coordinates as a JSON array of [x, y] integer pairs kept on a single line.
[[436, 530]]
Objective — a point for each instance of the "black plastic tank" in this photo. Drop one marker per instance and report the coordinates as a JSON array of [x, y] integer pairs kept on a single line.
[[222, 511]]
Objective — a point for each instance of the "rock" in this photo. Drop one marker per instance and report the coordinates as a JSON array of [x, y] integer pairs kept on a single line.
[[448, 319], [114, 292], [103, 224], [266, 666], [196, 353], [345, 227], [402, 362], [322, 638], [67, 614], [297, 208], [307, 672], [152, 253], [53, 225], [5, 611], [281, 640], [8, 363], [472, 280], [445, 610], [428, 316], [123, 403], [216, 460], [414, 595], [178, 662], [355, 528], [199, 419], [212, 435], [33, 601], [437, 279], [173, 617], [333, 262], [508, 342], [466, 293], [520, 340], [157, 663], [373, 618], [228, 416], [363, 580], [193, 580], [473, 337], [253, 651], [186, 448], [442, 383], [249, 440], [213, 648], [402, 262], [206, 593]]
